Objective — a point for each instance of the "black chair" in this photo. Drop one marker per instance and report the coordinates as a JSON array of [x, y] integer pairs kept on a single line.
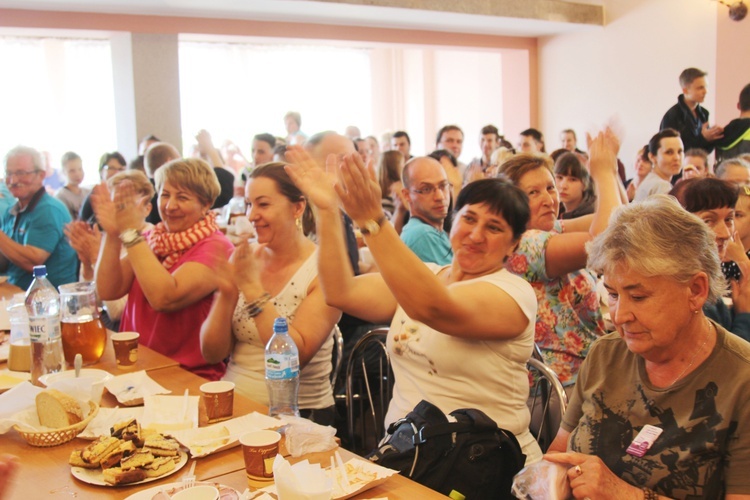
[[547, 403], [337, 357], [369, 385]]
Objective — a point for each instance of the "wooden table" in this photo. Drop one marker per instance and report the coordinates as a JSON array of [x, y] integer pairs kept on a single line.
[[45, 473], [7, 291]]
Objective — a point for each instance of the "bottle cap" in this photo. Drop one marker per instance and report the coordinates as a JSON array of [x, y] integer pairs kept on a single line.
[[280, 325], [40, 271]]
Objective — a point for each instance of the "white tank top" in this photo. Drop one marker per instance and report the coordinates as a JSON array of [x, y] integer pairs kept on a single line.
[[247, 365]]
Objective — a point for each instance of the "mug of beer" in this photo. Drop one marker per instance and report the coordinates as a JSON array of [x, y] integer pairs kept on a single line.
[[81, 329]]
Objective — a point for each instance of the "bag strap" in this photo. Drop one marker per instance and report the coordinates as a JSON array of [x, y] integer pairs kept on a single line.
[[426, 432]]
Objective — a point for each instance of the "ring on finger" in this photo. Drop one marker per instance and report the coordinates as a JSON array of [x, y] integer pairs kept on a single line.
[[578, 470]]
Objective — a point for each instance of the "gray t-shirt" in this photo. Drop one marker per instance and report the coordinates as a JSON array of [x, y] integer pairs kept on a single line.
[[71, 200], [651, 185], [704, 448]]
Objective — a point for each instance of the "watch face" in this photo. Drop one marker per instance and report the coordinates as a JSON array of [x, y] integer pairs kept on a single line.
[[371, 227]]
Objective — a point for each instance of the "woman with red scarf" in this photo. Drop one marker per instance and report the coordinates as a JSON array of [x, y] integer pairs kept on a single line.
[[167, 271]]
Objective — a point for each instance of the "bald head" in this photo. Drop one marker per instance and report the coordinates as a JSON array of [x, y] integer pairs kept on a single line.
[[157, 155], [417, 167], [326, 143]]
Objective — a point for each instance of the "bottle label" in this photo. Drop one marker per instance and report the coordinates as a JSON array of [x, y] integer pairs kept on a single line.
[[43, 329], [281, 366]]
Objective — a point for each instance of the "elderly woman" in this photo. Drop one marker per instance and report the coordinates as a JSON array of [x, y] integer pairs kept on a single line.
[[552, 256], [713, 201], [662, 406], [451, 325], [167, 272], [276, 278]]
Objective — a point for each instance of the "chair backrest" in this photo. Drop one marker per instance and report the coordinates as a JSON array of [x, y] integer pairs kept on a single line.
[[547, 402], [338, 353], [369, 385]]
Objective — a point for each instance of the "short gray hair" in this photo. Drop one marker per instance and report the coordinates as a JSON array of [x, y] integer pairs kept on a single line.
[[658, 237], [721, 170], [36, 156]]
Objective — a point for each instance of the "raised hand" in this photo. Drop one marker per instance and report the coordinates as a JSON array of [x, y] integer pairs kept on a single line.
[[127, 201], [603, 149], [85, 240], [244, 263], [315, 183], [104, 209], [359, 191]]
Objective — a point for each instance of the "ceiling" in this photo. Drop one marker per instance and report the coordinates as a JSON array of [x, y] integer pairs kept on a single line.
[[529, 18]]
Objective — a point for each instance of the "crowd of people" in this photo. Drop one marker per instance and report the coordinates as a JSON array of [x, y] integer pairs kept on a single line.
[[472, 265]]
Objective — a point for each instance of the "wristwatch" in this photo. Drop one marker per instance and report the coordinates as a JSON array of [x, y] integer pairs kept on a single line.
[[130, 237], [372, 227]]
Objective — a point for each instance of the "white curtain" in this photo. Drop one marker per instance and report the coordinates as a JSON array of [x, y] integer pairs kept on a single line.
[[238, 90], [57, 95]]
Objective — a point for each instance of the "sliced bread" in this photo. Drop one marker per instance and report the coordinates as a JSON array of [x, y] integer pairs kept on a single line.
[[57, 410]]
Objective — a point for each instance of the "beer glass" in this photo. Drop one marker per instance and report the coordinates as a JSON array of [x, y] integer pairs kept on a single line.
[[82, 330]]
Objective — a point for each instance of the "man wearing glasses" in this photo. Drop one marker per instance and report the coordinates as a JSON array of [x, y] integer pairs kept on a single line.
[[428, 190], [32, 229]]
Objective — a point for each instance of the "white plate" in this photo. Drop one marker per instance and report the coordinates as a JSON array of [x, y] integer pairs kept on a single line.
[[225, 492], [9, 379], [95, 476], [94, 373]]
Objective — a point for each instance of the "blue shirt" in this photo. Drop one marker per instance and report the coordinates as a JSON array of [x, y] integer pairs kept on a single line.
[[430, 244], [40, 225]]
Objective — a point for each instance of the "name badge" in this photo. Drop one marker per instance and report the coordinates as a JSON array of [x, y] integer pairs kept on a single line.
[[644, 440]]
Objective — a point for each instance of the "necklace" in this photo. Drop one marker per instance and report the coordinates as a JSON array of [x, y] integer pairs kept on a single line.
[[695, 356]]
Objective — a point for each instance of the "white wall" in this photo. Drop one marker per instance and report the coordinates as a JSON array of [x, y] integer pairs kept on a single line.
[[629, 69]]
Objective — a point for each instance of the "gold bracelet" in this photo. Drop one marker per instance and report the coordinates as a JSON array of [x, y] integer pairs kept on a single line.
[[255, 307]]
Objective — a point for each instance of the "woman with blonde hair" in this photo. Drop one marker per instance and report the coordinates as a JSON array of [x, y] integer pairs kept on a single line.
[[167, 272]]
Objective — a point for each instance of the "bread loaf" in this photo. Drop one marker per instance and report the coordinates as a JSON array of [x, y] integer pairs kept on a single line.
[[57, 410]]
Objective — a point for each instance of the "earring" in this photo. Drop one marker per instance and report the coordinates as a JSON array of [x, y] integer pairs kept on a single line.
[[298, 223]]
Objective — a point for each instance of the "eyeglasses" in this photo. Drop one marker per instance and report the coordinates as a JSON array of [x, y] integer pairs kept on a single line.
[[20, 173], [428, 189], [114, 169]]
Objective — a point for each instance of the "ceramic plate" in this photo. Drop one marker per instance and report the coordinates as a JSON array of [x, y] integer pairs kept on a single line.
[[225, 492], [9, 379], [95, 476], [85, 372]]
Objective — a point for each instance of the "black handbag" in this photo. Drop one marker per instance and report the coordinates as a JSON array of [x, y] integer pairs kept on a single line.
[[471, 456]]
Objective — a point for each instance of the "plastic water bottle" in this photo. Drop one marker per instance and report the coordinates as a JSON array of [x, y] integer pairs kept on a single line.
[[282, 371], [43, 307]]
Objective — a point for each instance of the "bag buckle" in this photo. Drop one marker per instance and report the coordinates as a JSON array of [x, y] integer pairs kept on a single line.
[[418, 439]]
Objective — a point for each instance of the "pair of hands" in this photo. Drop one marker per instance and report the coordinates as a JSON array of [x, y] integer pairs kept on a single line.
[[590, 478], [349, 183], [241, 272], [85, 240], [740, 289], [118, 211]]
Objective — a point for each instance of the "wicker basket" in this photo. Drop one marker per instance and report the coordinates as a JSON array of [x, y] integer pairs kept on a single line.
[[58, 436]]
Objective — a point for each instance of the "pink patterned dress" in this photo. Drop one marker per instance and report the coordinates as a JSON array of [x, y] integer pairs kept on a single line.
[[568, 319]]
